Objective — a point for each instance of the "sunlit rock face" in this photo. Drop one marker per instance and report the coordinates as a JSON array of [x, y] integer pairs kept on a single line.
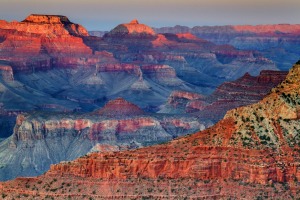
[[134, 28], [48, 24], [43, 42], [47, 19], [254, 150]]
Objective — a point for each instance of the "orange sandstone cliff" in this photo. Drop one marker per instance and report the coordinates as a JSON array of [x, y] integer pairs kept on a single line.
[[45, 41]]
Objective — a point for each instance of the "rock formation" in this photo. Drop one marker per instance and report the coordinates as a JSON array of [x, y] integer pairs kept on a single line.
[[134, 28], [119, 124], [45, 41], [252, 153], [50, 25], [120, 107]]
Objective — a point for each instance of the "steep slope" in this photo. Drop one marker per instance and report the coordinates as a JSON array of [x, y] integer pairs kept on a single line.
[[252, 153], [44, 138]]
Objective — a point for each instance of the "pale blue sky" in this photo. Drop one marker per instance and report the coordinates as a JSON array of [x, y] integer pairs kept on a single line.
[[105, 14]]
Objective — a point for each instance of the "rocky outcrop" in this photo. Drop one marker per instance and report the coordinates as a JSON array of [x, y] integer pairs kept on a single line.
[[134, 28], [252, 152], [51, 25]]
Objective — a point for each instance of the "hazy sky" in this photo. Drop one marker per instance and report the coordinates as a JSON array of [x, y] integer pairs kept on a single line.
[[106, 14]]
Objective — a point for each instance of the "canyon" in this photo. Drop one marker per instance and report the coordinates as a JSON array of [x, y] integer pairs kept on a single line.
[[67, 70], [236, 158], [82, 111], [42, 138], [120, 124]]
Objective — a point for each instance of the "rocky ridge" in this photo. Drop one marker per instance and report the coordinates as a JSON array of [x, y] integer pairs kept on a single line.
[[252, 153], [51, 25]]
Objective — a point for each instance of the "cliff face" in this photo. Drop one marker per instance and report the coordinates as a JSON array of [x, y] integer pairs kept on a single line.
[[134, 28], [41, 139], [254, 148], [45, 41], [47, 25]]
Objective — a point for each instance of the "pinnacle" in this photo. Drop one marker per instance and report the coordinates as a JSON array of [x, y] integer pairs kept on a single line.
[[135, 21]]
